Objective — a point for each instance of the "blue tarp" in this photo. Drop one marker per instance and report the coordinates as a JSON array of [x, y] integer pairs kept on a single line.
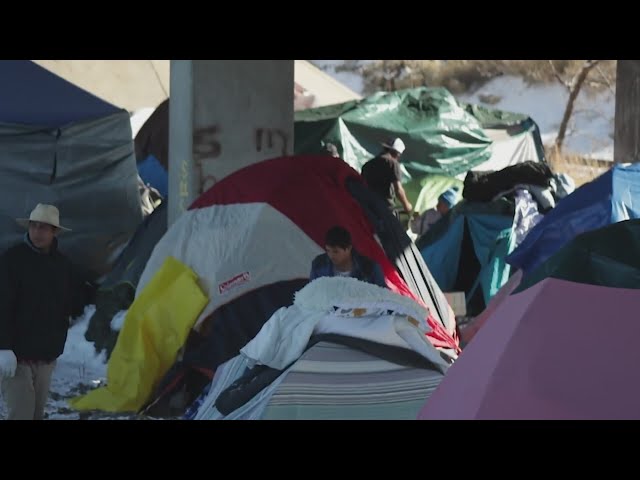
[[32, 95], [154, 174], [611, 198], [443, 255]]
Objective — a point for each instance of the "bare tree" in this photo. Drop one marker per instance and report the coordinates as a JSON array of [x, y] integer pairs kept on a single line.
[[606, 79], [573, 87], [394, 70]]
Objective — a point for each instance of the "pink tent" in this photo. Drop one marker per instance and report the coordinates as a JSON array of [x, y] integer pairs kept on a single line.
[[469, 331], [558, 350]]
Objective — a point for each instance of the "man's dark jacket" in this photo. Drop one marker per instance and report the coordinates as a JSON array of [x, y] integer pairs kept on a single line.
[[38, 294]]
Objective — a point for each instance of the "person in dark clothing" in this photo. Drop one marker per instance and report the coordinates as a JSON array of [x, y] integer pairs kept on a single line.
[[420, 224], [343, 260], [382, 175], [39, 291]]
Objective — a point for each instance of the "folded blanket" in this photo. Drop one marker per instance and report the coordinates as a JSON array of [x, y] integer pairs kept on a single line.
[[342, 306], [326, 293]]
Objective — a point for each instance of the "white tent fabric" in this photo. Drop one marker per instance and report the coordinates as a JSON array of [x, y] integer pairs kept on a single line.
[[234, 249], [129, 84], [507, 151], [138, 119]]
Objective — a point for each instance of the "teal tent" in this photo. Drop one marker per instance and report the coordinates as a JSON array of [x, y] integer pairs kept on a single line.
[[466, 250]]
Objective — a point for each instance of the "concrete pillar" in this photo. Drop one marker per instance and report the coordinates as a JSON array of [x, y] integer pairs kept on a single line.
[[626, 147], [225, 115]]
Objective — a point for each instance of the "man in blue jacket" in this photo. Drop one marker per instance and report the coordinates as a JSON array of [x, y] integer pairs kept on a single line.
[[341, 259]]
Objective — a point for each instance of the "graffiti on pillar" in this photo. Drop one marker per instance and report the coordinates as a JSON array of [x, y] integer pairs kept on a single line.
[[272, 138], [206, 147], [205, 143]]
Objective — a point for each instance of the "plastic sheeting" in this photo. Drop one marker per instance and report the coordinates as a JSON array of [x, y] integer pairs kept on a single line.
[[156, 327], [442, 136], [87, 170], [508, 150], [427, 189], [526, 217]]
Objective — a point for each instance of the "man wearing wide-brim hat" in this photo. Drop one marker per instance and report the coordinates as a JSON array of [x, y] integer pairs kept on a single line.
[[383, 175], [38, 288]]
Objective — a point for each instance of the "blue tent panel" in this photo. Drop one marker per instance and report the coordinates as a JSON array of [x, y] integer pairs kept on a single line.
[[153, 173], [443, 256], [491, 239], [612, 197], [626, 193], [32, 95]]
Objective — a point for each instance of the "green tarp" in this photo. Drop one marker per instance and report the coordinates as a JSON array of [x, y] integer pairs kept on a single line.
[[426, 190], [444, 138], [442, 135]]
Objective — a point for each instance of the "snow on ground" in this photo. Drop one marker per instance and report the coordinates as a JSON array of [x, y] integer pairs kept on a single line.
[[353, 80], [78, 366], [590, 131], [78, 370]]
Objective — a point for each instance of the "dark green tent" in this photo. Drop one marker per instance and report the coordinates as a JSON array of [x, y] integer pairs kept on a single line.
[[609, 256]]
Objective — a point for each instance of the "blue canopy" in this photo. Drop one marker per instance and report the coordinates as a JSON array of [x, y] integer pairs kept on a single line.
[[32, 95]]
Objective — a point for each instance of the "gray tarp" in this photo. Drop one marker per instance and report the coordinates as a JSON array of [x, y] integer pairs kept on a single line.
[[88, 170]]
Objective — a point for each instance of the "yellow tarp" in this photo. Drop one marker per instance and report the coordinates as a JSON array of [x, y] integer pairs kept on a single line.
[[155, 328]]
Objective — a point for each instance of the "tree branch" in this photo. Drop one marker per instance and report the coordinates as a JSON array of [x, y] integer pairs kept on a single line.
[[606, 79], [588, 65], [559, 77], [576, 85]]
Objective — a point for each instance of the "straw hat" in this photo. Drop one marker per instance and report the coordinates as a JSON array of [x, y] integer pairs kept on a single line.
[[43, 213]]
